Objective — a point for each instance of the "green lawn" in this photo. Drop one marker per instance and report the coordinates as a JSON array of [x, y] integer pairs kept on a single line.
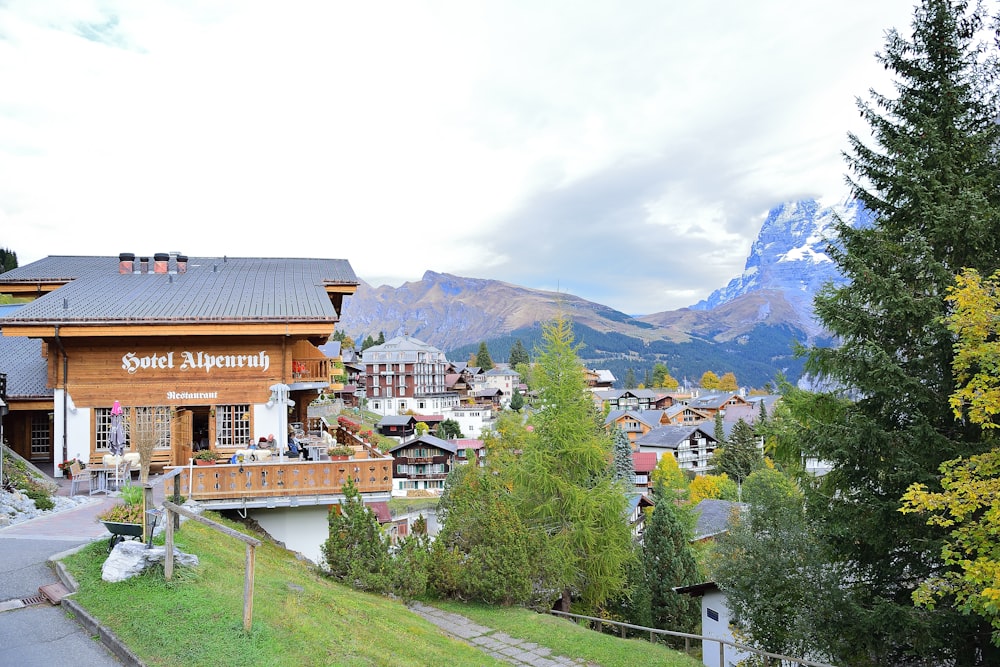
[[299, 618], [565, 637], [302, 619]]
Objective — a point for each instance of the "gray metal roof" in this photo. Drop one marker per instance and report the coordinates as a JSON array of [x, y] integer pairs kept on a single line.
[[27, 371], [672, 435], [430, 441], [713, 517], [223, 289]]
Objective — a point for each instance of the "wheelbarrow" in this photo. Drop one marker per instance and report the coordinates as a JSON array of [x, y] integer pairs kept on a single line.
[[121, 531]]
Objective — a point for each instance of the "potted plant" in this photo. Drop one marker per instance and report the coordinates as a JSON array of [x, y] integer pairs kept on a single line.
[[206, 457], [341, 453], [126, 518], [66, 466]]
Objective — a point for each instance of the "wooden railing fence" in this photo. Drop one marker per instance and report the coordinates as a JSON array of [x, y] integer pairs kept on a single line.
[[782, 659], [173, 512]]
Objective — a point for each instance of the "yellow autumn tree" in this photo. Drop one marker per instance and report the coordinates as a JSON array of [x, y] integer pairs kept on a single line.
[[673, 478], [728, 382], [709, 380], [969, 501], [711, 486]]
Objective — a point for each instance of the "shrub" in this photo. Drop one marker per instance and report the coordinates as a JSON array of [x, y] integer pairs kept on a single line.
[[43, 500]]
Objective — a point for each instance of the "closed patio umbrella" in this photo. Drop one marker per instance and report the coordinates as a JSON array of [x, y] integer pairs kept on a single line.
[[116, 435]]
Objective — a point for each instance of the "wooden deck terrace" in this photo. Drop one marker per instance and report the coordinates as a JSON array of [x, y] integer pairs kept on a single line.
[[288, 483]]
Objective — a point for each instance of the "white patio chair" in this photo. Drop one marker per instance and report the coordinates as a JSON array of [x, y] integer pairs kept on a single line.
[[78, 477], [121, 475]]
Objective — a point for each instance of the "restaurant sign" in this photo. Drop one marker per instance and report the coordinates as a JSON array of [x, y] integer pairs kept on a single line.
[[187, 360]]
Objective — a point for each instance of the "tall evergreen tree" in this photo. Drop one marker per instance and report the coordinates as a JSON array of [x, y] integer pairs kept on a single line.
[[356, 551], [518, 354], [8, 260], [564, 481], [932, 180], [381, 338], [624, 469], [740, 456], [483, 359], [630, 379], [668, 562]]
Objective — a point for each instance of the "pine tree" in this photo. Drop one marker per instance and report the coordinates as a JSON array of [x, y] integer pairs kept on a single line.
[[518, 354], [8, 260], [516, 400], [932, 180], [624, 469], [483, 359], [356, 551], [630, 379], [668, 562], [740, 456]]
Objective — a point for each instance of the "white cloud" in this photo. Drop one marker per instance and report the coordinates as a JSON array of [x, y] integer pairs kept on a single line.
[[407, 136]]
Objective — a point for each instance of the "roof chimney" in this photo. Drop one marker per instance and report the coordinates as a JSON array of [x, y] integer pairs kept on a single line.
[[182, 263], [125, 262], [160, 262], [144, 265]]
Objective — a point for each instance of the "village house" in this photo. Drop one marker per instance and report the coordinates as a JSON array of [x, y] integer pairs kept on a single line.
[[643, 464], [422, 464], [692, 446]]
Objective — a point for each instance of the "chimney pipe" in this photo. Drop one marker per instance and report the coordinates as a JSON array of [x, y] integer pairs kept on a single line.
[[160, 261], [125, 262], [182, 263], [144, 265]]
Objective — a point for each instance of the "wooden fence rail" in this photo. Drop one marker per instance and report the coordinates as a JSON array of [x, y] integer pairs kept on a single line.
[[251, 544], [723, 643]]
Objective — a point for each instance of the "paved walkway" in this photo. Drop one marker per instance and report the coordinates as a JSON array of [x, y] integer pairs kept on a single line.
[[42, 635], [497, 644]]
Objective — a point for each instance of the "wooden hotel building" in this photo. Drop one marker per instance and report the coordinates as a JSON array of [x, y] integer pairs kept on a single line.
[[216, 348]]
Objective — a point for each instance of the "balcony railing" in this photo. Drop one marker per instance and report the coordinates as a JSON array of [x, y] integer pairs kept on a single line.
[[311, 370], [254, 484]]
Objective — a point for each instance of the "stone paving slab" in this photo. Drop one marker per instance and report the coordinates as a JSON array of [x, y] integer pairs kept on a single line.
[[497, 644]]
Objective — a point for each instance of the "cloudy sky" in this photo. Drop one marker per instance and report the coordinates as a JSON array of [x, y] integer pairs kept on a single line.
[[626, 152]]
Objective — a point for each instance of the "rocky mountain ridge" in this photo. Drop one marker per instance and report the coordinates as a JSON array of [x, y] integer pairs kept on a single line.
[[771, 301]]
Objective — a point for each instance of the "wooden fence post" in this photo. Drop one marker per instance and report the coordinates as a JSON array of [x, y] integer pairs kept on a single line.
[[248, 589], [168, 563]]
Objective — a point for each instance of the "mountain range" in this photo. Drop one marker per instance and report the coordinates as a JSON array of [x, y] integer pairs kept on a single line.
[[748, 327]]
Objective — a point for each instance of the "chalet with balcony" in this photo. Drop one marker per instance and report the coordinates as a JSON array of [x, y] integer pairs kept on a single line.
[[716, 402], [634, 399], [692, 446], [635, 423], [225, 346], [643, 464], [422, 464]]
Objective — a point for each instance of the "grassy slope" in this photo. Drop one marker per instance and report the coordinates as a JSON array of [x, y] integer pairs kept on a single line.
[[300, 618], [567, 638]]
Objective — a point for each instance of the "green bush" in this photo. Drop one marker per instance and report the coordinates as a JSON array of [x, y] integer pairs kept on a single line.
[[43, 500]]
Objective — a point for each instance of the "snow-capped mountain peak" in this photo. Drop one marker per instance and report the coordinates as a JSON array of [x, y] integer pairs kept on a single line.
[[790, 255]]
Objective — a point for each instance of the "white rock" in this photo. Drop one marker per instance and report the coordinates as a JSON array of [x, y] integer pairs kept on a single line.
[[131, 558]]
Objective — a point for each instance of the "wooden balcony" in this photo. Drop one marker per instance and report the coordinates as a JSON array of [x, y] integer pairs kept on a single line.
[[311, 370], [285, 483]]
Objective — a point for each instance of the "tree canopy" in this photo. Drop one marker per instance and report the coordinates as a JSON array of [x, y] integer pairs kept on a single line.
[[931, 180], [483, 359]]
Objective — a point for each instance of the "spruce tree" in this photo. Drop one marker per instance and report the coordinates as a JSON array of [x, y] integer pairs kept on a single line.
[[518, 354], [483, 359], [932, 181], [624, 469], [668, 562]]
